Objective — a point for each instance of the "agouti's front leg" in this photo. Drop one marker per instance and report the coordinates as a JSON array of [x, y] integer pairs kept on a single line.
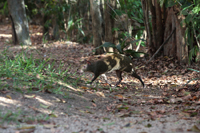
[[95, 77], [119, 76]]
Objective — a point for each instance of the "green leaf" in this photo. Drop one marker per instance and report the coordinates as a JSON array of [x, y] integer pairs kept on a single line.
[[134, 53], [136, 41], [196, 9], [44, 106], [188, 18], [185, 6], [162, 2], [170, 3], [118, 47], [70, 22], [108, 44], [138, 19], [193, 70], [184, 12], [82, 32]]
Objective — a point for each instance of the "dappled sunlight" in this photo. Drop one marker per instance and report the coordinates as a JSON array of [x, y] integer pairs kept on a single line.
[[46, 87], [41, 100], [67, 44], [6, 35], [170, 80], [175, 80], [63, 84], [7, 101], [59, 82]]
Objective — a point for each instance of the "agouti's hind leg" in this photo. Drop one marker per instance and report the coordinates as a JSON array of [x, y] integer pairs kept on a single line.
[[119, 76], [138, 77]]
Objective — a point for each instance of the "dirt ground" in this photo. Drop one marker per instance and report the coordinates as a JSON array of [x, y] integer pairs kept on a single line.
[[166, 105]]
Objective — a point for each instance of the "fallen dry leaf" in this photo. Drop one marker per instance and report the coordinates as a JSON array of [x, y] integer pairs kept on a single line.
[[100, 94], [8, 96]]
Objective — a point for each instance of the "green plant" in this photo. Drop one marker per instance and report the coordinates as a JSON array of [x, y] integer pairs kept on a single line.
[[25, 74], [121, 49], [4, 10], [129, 12], [9, 116], [195, 78], [44, 40], [75, 24], [191, 11]]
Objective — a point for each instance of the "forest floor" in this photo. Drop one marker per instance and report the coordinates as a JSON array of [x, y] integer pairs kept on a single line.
[[166, 105]]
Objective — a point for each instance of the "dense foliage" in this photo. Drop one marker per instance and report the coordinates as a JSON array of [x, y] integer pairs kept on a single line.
[[69, 17]]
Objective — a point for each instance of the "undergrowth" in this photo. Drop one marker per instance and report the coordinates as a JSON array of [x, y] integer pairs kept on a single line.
[[25, 74]]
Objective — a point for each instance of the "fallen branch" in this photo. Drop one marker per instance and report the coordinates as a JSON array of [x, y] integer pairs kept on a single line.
[[161, 46]]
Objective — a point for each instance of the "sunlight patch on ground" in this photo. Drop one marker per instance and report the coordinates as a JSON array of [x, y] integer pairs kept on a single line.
[[43, 101], [59, 82], [6, 35], [23, 47], [6, 101], [68, 86]]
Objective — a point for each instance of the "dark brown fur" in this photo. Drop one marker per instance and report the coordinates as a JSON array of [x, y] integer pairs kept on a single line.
[[113, 62]]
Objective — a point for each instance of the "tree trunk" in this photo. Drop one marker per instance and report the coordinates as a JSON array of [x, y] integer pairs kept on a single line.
[[83, 6], [72, 18], [55, 22], [145, 8], [56, 34], [170, 46], [159, 25], [20, 29], [46, 35], [103, 22], [96, 24], [152, 48], [176, 46], [109, 23]]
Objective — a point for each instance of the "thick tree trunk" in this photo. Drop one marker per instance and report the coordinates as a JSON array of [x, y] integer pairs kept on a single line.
[[170, 46], [176, 46], [159, 25], [20, 29], [96, 24], [152, 48], [109, 23]]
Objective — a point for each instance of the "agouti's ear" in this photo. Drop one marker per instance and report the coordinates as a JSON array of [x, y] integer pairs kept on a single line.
[[88, 62]]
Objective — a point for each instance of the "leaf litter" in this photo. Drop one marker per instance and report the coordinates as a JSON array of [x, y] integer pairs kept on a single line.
[[167, 104]]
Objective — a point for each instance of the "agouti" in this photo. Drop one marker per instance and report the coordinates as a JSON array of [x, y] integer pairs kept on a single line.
[[112, 62]]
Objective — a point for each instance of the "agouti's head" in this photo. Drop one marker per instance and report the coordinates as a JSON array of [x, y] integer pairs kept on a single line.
[[91, 63], [87, 67]]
